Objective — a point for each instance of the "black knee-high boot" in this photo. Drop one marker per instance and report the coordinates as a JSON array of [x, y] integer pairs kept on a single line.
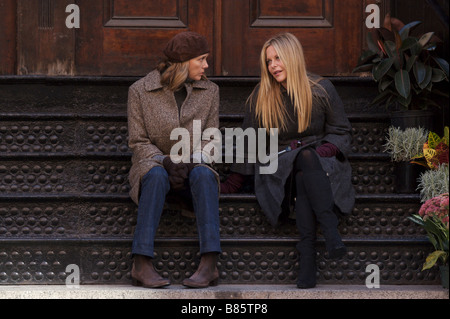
[[306, 225], [320, 196]]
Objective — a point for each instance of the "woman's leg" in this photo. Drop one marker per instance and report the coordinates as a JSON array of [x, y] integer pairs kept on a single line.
[[155, 185], [306, 225], [318, 190], [205, 197], [314, 202]]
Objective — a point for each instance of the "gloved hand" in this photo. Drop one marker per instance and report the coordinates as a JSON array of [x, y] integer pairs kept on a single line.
[[233, 184], [327, 150], [190, 167], [177, 173], [295, 144]]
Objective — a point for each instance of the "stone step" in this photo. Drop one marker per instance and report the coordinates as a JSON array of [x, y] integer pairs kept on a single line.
[[243, 261], [51, 218], [223, 292]]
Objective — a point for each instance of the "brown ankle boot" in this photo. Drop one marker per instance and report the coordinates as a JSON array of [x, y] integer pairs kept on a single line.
[[144, 274], [207, 273]]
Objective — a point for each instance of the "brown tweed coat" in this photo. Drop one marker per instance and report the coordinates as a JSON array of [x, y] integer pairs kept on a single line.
[[153, 114]]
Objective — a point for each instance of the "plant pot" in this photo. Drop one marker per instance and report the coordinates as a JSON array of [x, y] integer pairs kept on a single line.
[[413, 118], [407, 177], [444, 275]]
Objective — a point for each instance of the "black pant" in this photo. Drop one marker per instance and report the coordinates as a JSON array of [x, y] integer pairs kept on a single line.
[[314, 202]]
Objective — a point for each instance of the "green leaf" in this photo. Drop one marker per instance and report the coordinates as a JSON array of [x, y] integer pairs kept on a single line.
[[425, 38], [419, 72], [405, 102], [398, 41], [428, 76], [404, 32], [365, 57], [416, 219], [416, 49], [372, 45], [381, 69], [363, 68], [443, 65], [411, 62], [384, 84], [408, 43], [402, 83], [432, 259], [438, 75], [390, 48], [433, 139]]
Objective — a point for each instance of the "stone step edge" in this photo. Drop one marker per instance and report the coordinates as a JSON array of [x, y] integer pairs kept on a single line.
[[269, 241], [237, 291]]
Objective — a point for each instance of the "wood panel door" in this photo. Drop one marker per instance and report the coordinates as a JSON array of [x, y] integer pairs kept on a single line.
[[116, 37], [330, 33], [133, 34], [126, 38]]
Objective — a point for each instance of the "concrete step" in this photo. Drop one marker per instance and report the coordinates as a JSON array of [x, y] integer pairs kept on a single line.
[[224, 292]]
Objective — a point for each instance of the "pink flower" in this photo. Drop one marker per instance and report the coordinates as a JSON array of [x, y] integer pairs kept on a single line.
[[436, 207]]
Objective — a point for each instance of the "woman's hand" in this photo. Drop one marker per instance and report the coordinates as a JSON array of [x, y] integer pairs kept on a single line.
[[177, 173], [327, 150], [233, 184]]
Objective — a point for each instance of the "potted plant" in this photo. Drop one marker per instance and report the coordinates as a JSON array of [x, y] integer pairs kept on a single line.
[[435, 157], [433, 182], [435, 151], [407, 71], [433, 217], [402, 146]]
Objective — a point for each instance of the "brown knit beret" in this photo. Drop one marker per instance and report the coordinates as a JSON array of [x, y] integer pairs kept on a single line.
[[185, 46]]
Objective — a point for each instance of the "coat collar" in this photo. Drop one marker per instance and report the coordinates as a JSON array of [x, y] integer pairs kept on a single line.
[[152, 82]]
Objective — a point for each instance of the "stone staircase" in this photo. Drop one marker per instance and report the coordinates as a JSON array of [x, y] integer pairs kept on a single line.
[[64, 196]]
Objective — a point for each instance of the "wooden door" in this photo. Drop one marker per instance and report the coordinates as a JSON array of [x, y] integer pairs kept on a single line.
[[116, 37], [330, 33], [129, 36], [126, 38]]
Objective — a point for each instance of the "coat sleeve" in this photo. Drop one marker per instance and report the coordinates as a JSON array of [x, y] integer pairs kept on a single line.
[[338, 130], [138, 139]]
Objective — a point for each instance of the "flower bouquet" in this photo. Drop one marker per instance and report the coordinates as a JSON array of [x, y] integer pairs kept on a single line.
[[433, 217]]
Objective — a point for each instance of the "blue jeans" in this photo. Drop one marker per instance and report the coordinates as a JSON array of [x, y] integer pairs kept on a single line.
[[205, 198]]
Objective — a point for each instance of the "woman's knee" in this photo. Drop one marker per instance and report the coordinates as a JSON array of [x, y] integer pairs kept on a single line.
[[201, 173], [156, 174], [307, 159]]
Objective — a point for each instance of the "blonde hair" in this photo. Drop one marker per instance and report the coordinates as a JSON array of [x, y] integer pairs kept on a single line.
[[173, 75], [270, 110]]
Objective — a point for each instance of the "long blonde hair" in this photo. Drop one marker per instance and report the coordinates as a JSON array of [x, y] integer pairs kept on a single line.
[[173, 75], [270, 110]]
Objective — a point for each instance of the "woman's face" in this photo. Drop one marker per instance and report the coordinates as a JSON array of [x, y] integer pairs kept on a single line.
[[197, 67], [275, 66]]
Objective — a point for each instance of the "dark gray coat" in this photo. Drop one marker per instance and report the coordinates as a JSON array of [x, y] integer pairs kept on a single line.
[[329, 123]]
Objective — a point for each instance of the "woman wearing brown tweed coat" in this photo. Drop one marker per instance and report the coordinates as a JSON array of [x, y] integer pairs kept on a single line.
[[171, 97]]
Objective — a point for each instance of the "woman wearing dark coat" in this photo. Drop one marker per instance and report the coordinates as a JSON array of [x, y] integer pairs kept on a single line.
[[314, 137], [172, 97]]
